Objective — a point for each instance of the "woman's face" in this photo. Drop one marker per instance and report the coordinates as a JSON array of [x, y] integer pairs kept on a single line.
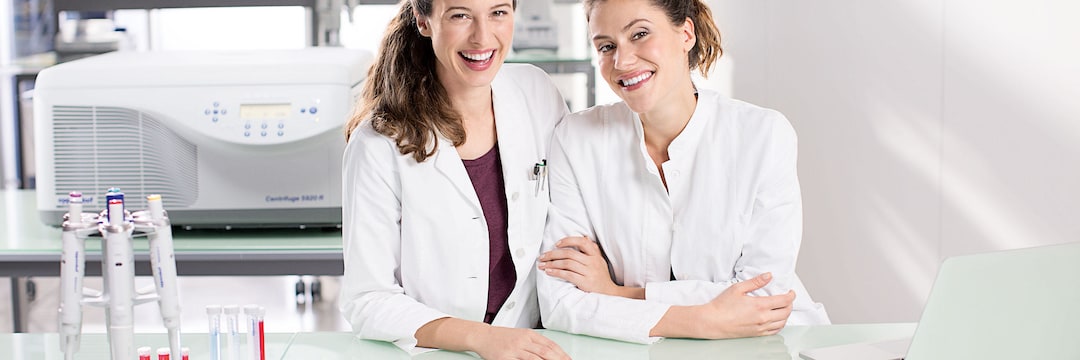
[[471, 39], [643, 56]]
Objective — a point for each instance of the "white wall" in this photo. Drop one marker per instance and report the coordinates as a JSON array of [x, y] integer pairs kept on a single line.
[[928, 128]]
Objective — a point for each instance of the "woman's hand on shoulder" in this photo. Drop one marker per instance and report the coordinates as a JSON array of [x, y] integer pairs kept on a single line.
[[577, 259], [497, 343]]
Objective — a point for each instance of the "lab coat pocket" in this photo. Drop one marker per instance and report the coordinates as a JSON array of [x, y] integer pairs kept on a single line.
[[532, 187]]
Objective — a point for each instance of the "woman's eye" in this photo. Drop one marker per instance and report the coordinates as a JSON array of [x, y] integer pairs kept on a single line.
[[604, 48], [639, 34]]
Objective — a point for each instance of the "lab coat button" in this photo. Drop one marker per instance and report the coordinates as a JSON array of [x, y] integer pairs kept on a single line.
[[519, 252], [510, 305], [514, 197]]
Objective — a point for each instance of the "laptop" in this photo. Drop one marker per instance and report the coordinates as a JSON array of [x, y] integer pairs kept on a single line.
[[1013, 304]]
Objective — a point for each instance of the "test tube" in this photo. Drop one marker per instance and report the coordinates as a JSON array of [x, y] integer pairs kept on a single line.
[[163, 353], [250, 311], [144, 353], [213, 313], [260, 315], [184, 353], [233, 325]]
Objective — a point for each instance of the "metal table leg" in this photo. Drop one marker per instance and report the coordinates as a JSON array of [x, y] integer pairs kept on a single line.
[[16, 307]]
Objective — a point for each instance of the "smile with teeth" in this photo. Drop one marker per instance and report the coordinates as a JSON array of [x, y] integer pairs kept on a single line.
[[478, 57], [634, 80]]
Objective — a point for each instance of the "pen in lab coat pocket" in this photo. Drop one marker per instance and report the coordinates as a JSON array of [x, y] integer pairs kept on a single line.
[[539, 174]]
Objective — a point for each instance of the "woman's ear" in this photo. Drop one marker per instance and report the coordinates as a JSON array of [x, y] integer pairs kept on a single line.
[[422, 25], [689, 36]]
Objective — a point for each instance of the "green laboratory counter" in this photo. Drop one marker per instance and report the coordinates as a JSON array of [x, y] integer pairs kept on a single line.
[[342, 345]]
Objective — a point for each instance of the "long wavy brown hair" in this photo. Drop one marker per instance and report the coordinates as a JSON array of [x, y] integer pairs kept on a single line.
[[707, 48], [402, 95]]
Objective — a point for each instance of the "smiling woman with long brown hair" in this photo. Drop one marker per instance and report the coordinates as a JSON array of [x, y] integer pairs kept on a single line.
[[442, 218]]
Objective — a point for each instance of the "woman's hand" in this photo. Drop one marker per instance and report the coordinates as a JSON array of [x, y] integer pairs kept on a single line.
[[577, 259], [490, 342], [735, 313], [732, 314], [743, 315], [497, 343]]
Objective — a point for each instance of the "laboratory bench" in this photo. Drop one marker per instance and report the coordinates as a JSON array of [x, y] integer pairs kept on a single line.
[[343, 345], [29, 248]]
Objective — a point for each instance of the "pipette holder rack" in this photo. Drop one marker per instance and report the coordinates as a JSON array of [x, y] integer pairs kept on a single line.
[[118, 295]]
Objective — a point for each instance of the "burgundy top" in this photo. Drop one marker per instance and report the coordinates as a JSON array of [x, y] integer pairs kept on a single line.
[[487, 179]]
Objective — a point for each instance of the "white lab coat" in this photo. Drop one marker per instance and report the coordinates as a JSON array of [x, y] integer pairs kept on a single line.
[[415, 237], [733, 211]]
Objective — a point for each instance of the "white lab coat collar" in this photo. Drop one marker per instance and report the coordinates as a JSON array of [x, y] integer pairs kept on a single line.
[[448, 163], [687, 140], [511, 134]]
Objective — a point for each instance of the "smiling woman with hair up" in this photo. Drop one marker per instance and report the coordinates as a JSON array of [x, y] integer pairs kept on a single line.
[[676, 212]]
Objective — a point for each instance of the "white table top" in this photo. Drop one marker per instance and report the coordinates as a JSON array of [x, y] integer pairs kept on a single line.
[[342, 345]]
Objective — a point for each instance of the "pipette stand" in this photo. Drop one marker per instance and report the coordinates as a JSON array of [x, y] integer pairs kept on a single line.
[[118, 294]]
